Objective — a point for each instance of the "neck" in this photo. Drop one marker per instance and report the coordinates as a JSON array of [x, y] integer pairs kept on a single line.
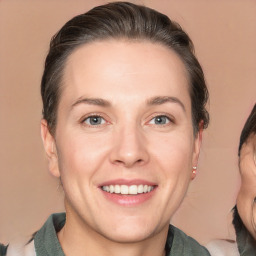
[[78, 238]]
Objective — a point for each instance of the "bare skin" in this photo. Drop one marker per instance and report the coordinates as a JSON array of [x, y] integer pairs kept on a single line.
[[124, 117], [245, 200]]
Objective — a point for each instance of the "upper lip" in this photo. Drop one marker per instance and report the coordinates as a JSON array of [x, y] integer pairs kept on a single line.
[[127, 182]]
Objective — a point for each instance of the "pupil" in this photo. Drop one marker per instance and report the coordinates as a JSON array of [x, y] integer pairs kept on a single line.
[[95, 120], [160, 120]]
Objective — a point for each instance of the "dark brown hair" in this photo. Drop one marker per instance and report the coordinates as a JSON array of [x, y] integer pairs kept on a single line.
[[117, 21], [249, 128]]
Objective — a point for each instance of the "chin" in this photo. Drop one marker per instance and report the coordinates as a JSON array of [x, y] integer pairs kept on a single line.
[[250, 229], [245, 213], [127, 235], [131, 230]]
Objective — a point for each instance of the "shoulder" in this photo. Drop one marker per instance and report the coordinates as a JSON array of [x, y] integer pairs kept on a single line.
[[30, 249], [186, 245], [38, 244], [222, 248], [21, 249]]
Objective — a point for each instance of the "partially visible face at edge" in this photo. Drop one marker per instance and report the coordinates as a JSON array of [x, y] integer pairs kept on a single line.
[[124, 118], [245, 200]]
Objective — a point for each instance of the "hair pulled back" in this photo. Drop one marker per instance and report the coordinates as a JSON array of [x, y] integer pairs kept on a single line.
[[249, 128], [120, 20]]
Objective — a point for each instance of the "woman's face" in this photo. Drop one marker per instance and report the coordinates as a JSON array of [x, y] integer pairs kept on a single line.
[[124, 145], [245, 200]]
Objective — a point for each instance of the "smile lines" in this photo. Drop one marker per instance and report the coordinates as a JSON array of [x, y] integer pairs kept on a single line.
[[128, 190]]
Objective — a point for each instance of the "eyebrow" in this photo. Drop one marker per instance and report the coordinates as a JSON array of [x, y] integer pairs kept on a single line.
[[92, 101], [159, 100]]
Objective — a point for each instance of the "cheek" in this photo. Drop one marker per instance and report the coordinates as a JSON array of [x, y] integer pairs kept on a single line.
[[81, 155], [174, 158], [245, 199], [248, 187], [174, 151]]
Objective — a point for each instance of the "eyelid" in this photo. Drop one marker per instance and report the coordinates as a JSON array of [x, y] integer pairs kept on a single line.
[[82, 120], [103, 121], [168, 116]]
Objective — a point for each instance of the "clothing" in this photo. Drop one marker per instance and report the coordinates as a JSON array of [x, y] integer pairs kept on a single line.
[[222, 248], [245, 244], [21, 248], [47, 243], [3, 249]]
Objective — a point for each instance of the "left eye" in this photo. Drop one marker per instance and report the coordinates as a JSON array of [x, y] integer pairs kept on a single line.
[[94, 120], [160, 120]]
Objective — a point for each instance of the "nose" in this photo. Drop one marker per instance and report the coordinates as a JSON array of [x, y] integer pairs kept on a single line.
[[129, 148]]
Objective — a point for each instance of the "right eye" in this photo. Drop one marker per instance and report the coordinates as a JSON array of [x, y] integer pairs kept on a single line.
[[94, 120]]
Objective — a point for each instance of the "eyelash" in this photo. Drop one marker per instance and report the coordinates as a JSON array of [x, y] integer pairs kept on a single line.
[[169, 118], [83, 121]]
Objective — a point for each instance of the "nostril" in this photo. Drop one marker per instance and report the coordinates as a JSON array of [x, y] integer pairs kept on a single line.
[[118, 161], [128, 162]]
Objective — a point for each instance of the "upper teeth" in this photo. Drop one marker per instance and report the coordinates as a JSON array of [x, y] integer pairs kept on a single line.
[[128, 190]]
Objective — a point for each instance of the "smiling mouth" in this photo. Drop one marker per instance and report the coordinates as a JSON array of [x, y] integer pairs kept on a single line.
[[128, 190]]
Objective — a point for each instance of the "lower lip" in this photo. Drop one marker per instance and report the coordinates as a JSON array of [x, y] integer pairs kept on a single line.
[[129, 200]]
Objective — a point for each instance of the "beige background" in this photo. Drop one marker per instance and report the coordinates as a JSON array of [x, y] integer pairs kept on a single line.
[[224, 34]]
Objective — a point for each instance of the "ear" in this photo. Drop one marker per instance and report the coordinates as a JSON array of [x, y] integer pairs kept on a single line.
[[50, 149], [196, 151]]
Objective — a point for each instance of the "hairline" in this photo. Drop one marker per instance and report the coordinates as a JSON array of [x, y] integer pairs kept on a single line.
[[127, 39]]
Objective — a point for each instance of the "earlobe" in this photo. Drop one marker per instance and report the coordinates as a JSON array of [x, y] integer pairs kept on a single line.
[[193, 175], [197, 146], [50, 149]]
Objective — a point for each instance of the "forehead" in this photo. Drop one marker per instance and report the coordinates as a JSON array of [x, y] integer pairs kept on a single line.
[[115, 67]]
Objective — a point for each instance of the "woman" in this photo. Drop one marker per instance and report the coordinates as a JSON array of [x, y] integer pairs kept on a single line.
[[123, 113], [244, 213]]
